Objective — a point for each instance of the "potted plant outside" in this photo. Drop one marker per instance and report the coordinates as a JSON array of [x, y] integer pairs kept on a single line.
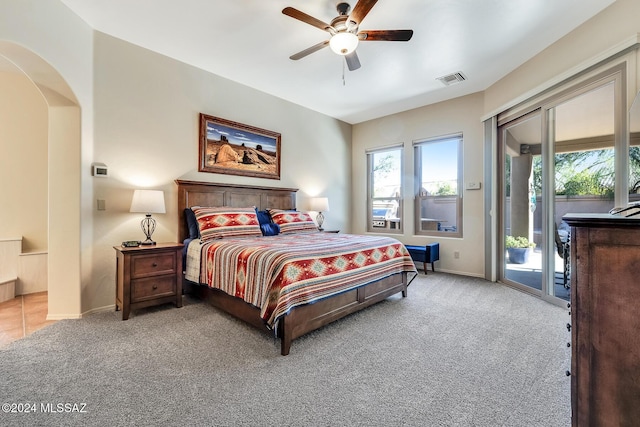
[[518, 249]]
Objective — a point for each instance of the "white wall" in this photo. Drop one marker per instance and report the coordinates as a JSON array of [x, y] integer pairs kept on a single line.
[[55, 49], [23, 161], [445, 118], [146, 131], [604, 33]]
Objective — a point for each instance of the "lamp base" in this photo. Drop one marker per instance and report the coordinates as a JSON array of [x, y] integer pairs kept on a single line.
[[320, 220], [148, 226]]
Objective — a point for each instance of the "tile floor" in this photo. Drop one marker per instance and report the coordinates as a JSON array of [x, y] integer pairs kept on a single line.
[[23, 315]]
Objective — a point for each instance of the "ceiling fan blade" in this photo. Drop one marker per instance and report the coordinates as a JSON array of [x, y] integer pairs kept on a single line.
[[309, 50], [385, 35], [361, 10], [301, 16], [353, 62]]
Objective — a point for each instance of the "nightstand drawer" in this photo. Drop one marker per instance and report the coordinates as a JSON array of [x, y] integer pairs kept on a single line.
[[152, 287], [153, 264]]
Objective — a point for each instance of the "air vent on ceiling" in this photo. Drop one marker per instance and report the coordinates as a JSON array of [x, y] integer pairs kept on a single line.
[[451, 79]]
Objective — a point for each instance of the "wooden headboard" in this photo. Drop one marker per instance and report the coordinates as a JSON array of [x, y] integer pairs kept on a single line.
[[194, 193]]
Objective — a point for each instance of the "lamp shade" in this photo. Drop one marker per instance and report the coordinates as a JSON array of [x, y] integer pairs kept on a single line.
[[343, 43], [319, 204], [148, 201]]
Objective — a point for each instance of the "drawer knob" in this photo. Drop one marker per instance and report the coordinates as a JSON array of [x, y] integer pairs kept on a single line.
[[154, 264], [154, 287]]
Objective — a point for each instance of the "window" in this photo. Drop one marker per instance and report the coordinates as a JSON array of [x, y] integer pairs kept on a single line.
[[384, 200], [439, 186]]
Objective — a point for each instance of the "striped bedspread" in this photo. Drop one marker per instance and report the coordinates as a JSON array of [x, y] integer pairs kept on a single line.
[[281, 272]]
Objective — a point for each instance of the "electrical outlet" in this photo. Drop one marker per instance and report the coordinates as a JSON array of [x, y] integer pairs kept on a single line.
[[456, 254]]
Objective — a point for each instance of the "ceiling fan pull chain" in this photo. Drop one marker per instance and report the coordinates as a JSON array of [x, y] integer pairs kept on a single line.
[[344, 82]]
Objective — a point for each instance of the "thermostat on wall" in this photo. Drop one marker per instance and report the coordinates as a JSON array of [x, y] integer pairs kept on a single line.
[[99, 169]]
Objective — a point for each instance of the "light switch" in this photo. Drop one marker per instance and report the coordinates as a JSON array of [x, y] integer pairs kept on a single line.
[[473, 185], [102, 205]]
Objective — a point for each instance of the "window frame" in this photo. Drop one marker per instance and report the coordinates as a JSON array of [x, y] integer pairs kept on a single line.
[[419, 198], [370, 191]]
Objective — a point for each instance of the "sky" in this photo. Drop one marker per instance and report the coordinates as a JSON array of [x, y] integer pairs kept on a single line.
[[440, 161], [239, 137]]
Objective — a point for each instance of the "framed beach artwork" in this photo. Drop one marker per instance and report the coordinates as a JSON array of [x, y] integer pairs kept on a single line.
[[236, 149]]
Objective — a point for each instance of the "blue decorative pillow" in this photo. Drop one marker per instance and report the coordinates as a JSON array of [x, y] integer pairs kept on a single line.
[[192, 224], [270, 229], [263, 217]]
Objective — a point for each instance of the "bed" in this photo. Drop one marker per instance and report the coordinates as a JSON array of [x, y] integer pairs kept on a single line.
[[292, 307]]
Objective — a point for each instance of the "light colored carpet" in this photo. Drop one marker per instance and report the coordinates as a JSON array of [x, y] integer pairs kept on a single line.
[[457, 351]]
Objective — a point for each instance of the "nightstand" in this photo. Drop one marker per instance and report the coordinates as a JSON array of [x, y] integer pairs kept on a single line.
[[148, 276]]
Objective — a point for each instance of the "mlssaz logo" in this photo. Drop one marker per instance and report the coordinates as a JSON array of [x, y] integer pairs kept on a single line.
[[64, 408]]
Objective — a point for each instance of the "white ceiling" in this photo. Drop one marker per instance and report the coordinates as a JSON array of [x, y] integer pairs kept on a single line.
[[250, 41]]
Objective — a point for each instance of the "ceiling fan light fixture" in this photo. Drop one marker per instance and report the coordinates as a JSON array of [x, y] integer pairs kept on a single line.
[[343, 43]]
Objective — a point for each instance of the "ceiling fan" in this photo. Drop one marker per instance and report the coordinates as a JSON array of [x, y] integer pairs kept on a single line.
[[344, 31]]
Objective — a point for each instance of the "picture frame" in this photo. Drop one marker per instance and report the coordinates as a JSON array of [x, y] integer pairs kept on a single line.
[[233, 148]]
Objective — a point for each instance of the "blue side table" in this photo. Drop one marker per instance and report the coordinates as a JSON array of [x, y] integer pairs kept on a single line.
[[428, 253]]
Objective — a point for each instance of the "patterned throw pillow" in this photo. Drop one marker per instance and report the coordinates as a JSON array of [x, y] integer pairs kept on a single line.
[[217, 223], [293, 221]]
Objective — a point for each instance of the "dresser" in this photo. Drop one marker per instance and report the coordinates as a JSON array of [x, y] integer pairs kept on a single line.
[[148, 276], [605, 320]]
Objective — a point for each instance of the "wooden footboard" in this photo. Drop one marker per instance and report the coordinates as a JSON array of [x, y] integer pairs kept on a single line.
[[305, 318]]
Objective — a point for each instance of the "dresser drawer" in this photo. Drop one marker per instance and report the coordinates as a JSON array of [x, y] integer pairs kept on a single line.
[[152, 287], [153, 264]]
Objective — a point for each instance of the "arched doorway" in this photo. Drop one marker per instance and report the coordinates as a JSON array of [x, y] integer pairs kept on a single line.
[[63, 189]]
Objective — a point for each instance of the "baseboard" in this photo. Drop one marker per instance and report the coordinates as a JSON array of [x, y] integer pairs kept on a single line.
[[63, 316], [111, 307], [459, 273], [81, 315]]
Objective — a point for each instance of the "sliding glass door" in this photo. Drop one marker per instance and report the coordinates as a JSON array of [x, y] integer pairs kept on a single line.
[[521, 144], [582, 142], [561, 157]]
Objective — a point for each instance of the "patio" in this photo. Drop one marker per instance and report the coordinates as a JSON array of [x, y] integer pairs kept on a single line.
[[530, 274]]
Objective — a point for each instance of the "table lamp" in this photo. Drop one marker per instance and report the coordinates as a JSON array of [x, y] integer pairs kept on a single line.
[[148, 202], [319, 204]]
